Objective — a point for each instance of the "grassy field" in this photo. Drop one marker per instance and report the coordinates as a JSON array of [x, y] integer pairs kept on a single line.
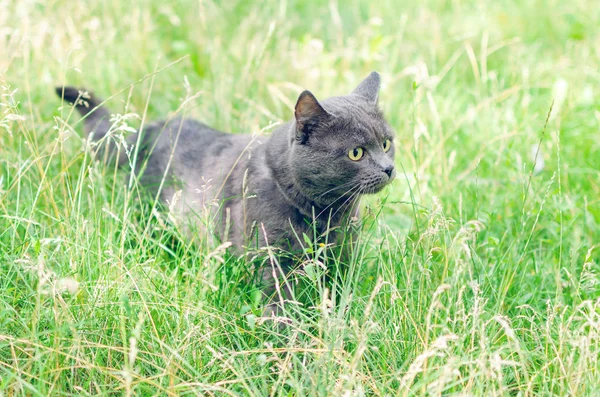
[[477, 271]]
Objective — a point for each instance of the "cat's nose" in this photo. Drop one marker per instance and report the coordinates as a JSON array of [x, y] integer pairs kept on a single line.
[[388, 170]]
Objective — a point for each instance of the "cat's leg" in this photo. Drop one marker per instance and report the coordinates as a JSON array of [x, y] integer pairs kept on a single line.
[[276, 289]]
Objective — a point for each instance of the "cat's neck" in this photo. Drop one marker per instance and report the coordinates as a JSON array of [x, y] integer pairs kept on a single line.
[[278, 161]]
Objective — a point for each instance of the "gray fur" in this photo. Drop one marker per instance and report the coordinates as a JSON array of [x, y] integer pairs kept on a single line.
[[279, 182]]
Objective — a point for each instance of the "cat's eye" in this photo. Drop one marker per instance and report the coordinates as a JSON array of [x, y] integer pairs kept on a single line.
[[356, 154], [387, 144]]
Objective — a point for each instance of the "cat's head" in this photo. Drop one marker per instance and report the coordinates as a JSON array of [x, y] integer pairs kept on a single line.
[[342, 146]]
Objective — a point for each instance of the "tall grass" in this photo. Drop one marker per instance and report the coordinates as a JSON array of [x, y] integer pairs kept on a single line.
[[476, 272]]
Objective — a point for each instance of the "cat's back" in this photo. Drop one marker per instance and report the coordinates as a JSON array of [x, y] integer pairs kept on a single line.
[[185, 154], [181, 143], [179, 136]]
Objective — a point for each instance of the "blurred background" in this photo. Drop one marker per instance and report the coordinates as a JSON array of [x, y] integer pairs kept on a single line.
[[466, 84]]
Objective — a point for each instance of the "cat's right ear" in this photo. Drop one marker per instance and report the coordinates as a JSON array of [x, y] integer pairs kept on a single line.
[[309, 113], [369, 88]]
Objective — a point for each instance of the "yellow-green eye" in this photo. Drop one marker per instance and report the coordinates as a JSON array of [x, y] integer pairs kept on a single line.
[[387, 144], [356, 154]]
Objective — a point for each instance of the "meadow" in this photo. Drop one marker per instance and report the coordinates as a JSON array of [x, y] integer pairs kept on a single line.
[[476, 272]]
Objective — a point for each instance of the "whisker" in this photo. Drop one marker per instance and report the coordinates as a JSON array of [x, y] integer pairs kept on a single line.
[[358, 185], [337, 187], [349, 200]]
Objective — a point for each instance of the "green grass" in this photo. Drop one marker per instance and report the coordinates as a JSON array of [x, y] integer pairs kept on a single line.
[[474, 274]]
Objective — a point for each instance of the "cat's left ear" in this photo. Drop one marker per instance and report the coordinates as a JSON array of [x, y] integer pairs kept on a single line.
[[309, 113], [369, 88]]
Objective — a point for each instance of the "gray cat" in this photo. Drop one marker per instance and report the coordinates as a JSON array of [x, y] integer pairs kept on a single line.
[[307, 176]]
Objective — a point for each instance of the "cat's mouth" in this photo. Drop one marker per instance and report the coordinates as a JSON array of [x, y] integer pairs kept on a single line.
[[376, 184], [370, 185]]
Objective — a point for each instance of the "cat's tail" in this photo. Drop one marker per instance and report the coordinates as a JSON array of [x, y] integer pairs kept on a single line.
[[96, 119]]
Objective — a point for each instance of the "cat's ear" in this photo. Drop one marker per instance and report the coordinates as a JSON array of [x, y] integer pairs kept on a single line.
[[309, 113], [369, 88]]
